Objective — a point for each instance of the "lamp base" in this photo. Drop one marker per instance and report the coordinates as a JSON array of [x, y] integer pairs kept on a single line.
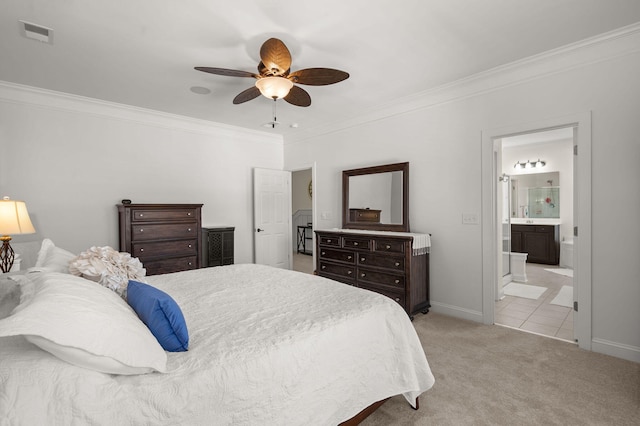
[[6, 254]]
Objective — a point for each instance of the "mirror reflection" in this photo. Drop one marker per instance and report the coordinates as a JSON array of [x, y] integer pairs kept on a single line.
[[376, 198], [535, 195]]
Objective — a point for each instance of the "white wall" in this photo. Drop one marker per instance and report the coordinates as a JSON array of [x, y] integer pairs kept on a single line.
[[300, 199], [72, 160], [440, 134]]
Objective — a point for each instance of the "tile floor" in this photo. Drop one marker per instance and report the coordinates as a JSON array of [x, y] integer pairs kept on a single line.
[[538, 316]]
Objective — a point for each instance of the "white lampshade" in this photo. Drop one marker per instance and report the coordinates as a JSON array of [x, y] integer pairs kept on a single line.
[[274, 87], [14, 218]]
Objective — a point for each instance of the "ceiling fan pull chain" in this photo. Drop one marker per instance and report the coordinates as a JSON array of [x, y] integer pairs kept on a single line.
[[275, 120]]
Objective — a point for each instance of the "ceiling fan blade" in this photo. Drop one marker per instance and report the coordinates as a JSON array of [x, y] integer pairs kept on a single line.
[[318, 76], [275, 57], [246, 95], [298, 97], [227, 72]]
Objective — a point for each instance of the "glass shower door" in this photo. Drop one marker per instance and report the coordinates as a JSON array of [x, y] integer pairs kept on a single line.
[[506, 225]]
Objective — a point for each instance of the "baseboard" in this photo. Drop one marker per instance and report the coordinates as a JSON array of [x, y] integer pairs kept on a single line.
[[456, 311], [619, 350]]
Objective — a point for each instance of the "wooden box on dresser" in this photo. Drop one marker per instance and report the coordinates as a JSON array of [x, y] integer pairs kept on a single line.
[[377, 262], [165, 237]]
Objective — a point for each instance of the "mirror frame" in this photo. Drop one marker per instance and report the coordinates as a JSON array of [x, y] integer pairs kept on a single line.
[[396, 167]]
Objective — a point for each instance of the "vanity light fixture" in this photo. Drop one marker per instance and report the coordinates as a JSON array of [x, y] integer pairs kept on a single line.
[[529, 165]]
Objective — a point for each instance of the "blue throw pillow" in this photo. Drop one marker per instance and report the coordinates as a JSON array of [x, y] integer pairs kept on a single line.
[[161, 314]]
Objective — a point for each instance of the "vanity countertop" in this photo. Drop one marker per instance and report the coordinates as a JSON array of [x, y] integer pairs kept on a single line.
[[534, 221]]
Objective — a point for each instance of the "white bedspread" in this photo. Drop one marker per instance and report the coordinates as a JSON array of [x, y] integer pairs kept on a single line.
[[267, 347]]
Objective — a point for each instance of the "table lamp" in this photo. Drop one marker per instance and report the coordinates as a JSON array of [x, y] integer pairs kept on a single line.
[[14, 220]]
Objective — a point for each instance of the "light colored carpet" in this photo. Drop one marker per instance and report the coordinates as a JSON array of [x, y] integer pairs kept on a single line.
[[492, 375], [562, 271], [524, 290], [564, 297]]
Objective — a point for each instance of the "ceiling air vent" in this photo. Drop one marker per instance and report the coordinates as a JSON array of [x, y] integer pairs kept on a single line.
[[36, 32]]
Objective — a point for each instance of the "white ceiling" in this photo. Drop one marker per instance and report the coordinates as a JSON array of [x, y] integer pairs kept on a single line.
[[142, 52]]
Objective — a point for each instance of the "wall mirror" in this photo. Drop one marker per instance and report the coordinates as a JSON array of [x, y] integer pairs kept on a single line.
[[376, 198], [535, 195]]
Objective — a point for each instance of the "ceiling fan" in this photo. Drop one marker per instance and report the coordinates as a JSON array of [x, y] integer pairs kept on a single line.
[[274, 79]]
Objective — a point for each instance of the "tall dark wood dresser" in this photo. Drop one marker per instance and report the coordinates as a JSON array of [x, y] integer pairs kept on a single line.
[[164, 237]]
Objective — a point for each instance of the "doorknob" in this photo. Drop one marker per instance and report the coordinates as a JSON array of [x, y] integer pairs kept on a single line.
[[259, 230]]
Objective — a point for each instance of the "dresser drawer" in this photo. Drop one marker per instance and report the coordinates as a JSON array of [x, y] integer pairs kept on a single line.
[[166, 266], [329, 240], [381, 261], [143, 215], [376, 277], [165, 248], [338, 255], [388, 246], [398, 296], [356, 243], [157, 232], [340, 270]]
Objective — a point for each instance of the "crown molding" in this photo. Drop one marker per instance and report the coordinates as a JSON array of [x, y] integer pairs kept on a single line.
[[43, 98], [604, 47]]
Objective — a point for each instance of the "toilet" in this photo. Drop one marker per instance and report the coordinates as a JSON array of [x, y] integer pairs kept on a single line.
[[566, 254]]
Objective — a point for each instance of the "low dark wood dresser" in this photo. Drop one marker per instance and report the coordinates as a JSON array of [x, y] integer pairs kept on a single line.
[[165, 237], [377, 261]]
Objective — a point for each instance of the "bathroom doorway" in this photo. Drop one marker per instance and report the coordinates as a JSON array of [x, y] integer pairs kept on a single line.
[[536, 216], [580, 127]]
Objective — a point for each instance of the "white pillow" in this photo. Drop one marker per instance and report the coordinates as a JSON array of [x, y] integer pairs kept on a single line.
[[84, 324], [108, 267], [52, 258]]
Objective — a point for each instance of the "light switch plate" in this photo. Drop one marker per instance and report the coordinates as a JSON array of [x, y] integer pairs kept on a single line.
[[470, 218]]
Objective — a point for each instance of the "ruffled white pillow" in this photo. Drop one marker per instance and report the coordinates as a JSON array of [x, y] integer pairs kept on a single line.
[[108, 267]]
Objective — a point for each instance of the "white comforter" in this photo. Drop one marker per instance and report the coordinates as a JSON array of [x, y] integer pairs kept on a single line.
[[267, 347]]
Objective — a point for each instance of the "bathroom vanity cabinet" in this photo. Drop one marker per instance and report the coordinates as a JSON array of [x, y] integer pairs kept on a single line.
[[541, 242]]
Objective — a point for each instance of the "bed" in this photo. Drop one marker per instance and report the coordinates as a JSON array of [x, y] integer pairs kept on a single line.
[[266, 346]]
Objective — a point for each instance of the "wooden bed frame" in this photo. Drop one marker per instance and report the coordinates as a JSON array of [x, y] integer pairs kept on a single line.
[[355, 420]]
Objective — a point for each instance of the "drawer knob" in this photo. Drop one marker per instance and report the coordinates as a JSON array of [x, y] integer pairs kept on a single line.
[[348, 272], [324, 253], [388, 246], [398, 299], [328, 241], [324, 267], [362, 259], [363, 274], [189, 263], [141, 215], [355, 244], [141, 230], [397, 263], [188, 229], [189, 214], [141, 250], [189, 245], [349, 257], [397, 281]]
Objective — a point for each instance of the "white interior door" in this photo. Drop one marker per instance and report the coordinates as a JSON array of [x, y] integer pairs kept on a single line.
[[272, 217]]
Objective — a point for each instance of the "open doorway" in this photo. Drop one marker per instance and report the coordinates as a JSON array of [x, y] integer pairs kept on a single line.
[[302, 220], [492, 250], [535, 213]]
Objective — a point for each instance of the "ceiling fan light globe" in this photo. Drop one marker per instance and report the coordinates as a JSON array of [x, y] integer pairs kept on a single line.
[[274, 87]]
